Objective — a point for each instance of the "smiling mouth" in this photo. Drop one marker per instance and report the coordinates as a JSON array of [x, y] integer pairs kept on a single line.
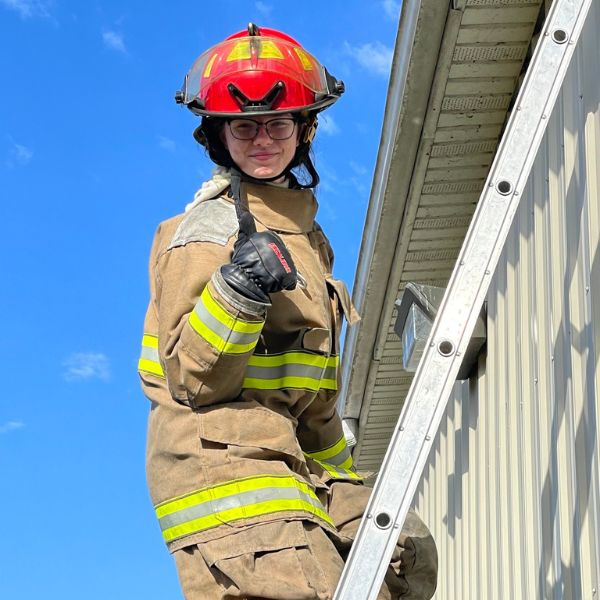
[[263, 155]]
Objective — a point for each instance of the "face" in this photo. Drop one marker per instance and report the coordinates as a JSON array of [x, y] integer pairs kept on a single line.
[[261, 157]]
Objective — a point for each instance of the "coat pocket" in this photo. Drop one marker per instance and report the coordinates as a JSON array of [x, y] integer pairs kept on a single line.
[[247, 430], [283, 560]]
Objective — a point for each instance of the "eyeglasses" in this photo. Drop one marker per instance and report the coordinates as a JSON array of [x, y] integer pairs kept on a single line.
[[247, 129]]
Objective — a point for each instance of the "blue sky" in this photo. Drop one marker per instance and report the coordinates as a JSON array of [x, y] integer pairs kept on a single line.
[[94, 153]]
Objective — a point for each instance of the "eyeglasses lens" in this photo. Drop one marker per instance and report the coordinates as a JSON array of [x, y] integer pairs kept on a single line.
[[247, 129]]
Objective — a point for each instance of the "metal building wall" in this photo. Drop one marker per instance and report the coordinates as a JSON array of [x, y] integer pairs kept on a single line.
[[511, 490]]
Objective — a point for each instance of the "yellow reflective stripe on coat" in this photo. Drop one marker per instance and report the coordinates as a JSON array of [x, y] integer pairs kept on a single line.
[[234, 500], [226, 333], [338, 454], [299, 370], [340, 472], [149, 359]]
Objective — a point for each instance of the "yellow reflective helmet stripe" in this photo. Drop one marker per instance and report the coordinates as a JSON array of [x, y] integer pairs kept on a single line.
[[234, 500], [306, 62], [266, 49], [240, 51], [149, 361], [298, 370], [209, 66], [226, 333], [269, 49]]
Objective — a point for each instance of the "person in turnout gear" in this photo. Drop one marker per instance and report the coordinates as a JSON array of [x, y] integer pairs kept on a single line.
[[248, 468]]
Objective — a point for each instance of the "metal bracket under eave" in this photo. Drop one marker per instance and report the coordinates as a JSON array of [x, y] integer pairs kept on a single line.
[[417, 309]]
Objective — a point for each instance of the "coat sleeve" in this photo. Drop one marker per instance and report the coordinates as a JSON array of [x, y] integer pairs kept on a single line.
[[322, 438], [206, 330]]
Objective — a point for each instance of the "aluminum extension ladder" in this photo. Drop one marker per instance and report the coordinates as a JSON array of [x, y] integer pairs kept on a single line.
[[431, 387]]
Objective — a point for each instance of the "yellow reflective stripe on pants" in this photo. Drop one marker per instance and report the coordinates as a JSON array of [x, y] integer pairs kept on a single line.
[[338, 454], [302, 370], [226, 333], [149, 359], [234, 500], [339, 472]]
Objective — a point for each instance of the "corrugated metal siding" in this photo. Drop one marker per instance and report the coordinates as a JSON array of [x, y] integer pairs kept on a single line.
[[511, 490]]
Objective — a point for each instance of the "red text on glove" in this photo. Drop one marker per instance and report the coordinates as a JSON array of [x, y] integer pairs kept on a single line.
[[284, 263]]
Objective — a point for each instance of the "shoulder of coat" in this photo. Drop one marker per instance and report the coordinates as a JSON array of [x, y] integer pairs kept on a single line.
[[212, 220]]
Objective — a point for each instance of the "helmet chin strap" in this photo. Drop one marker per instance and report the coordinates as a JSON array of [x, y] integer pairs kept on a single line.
[[247, 225]]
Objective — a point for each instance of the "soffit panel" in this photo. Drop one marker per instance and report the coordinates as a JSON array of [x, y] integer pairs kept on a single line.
[[480, 62]]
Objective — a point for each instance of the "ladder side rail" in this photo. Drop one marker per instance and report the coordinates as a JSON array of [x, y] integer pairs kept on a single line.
[[427, 398]]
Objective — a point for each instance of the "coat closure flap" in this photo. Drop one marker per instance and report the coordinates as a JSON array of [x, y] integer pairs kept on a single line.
[[341, 291], [281, 209]]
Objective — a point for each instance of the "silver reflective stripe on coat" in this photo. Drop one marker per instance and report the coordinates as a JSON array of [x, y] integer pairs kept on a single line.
[[225, 332], [297, 369], [238, 499], [233, 337], [336, 460]]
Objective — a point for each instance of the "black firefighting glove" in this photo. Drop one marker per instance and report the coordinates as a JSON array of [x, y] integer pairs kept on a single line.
[[260, 265]]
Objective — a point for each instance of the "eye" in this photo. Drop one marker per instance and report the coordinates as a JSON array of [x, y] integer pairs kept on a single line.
[[243, 128], [281, 125]]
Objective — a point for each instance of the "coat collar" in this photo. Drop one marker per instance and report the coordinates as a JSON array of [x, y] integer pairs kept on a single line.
[[281, 209]]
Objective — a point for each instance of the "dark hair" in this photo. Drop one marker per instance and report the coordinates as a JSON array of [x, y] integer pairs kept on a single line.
[[208, 134]]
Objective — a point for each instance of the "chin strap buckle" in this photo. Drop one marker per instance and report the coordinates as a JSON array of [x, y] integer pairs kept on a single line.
[[310, 131]]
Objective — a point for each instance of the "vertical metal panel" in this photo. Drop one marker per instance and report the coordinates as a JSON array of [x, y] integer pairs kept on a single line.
[[511, 490]]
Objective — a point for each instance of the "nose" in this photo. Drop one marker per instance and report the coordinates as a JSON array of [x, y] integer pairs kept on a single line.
[[262, 137]]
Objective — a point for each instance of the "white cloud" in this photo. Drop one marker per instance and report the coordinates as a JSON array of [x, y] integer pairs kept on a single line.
[[86, 365], [166, 143], [392, 9], [327, 125], [18, 156], [28, 8], [22, 154], [114, 41], [11, 426], [373, 56], [264, 9]]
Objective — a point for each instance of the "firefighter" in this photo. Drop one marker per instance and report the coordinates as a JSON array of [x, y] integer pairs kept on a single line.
[[248, 468]]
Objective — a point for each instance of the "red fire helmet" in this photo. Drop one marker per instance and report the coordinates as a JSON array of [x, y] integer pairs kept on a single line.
[[259, 72]]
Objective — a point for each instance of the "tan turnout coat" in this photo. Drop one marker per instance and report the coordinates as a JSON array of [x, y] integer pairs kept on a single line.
[[243, 427]]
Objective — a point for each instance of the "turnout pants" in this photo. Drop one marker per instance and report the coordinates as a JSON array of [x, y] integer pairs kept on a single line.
[[298, 560]]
